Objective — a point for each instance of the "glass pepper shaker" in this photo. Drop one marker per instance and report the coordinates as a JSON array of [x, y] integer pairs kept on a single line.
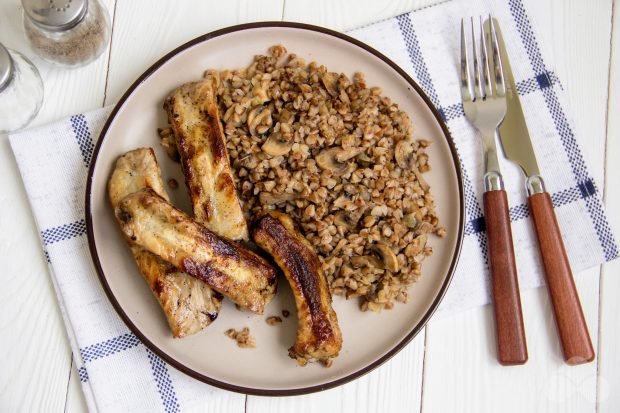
[[21, 90], [68, 33]]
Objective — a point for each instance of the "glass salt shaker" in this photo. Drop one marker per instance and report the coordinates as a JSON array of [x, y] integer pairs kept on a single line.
[[68, 33], [21, 90]]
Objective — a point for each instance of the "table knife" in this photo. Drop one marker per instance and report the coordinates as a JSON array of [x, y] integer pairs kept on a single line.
[[518, 148]]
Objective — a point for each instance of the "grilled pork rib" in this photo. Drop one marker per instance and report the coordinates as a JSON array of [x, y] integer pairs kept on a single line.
[[194, 118], [189, 304], [318, 333], [155, 225]]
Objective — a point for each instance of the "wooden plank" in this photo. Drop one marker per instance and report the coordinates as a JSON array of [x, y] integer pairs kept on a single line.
[[144, 33], [393, 387], [579, 30], [462, 372], [343, 15], [609, 336], [35, 352]]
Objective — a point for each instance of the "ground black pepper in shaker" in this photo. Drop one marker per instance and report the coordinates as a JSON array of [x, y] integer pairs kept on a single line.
[[69, 33]]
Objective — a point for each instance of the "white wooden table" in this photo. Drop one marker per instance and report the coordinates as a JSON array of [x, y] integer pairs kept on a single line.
[[451, 365]]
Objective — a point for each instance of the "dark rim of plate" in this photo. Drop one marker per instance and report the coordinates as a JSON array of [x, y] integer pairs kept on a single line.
[[229, 386]]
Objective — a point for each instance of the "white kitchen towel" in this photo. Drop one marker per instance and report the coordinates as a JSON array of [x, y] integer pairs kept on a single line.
[[120, 374]]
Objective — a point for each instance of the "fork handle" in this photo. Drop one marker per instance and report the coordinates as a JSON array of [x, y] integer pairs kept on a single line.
[[571, 323], [510, 332]]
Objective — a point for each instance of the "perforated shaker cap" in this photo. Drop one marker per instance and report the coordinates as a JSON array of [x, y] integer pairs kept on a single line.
[[6, 67], [55, 15]]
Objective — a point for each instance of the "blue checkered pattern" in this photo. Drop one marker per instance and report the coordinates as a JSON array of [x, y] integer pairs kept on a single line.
[[63, 232], [83, 374], [536, 83], [109, 347], [164, 384], [82, 135], [124, 342]]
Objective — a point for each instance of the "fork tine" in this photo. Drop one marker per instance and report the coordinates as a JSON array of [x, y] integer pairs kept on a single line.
[[497, 61], [465, 77], [486, 74], [477, 90]]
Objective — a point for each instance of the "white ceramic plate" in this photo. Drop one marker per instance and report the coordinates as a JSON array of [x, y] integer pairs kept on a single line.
[[210, 356]]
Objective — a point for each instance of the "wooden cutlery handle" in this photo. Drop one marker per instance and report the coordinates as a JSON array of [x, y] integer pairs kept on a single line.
[[569, 317], [511, 344]]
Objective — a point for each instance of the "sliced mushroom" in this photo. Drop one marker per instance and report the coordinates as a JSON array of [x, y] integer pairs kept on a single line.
[[342, 219], [254, 113], [362, 157], [404, 153], [330, 80], [405, 156], [260, 95], [276, 145], [267, 198], [423, 184], [258, 116], [348, 219], [360, 261], [345, 154], [386, 255], [334, 159]]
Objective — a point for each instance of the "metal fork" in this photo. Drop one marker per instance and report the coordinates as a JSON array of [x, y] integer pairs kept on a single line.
[[484, 104]]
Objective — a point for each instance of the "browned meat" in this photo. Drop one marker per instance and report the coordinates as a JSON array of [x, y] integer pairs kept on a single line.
[[318, 333], [194, 118], [155, 225], [188, 303]]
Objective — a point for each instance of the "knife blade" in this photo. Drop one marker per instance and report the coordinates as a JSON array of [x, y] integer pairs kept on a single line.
[[518, 148]]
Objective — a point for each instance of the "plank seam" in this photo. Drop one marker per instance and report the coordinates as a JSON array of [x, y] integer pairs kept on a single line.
[[68, 381], [609, 74], [423, 371], [597, 404], [107, 72]]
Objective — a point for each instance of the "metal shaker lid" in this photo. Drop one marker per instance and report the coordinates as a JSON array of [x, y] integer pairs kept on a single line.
[[6, 67], [55, 15]]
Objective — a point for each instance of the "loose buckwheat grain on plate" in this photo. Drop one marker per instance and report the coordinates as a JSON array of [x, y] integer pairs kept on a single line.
[[339, 157]]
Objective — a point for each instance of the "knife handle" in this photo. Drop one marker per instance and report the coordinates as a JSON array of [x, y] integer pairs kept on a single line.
[[511, 344], [571, 323]]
